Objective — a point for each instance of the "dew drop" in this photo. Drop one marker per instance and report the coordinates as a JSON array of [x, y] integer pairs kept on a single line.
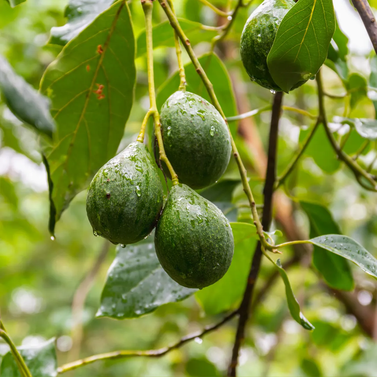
[[272, 91], [212, 132], [52, 238], [138, 191], [95, 234], [229, 18], [198, 340]]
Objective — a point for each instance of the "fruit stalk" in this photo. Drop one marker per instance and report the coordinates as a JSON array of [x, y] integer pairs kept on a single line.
[[199, 69], [147, 8]]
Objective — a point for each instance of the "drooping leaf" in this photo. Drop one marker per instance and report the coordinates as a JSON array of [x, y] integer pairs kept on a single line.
[[41, 361], [163, 35], [14, 3], [24, 101], [227, 292], [293, 305], [218, 75], [301, 43], [91, 85], [137, 284], [366, 128], [334, 269], [348, 248], [357, 87], [80, 13]]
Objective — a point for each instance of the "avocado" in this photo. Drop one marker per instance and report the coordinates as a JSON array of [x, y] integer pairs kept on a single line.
[[196, 139], [194, 241], [258, 37], [125, 197]]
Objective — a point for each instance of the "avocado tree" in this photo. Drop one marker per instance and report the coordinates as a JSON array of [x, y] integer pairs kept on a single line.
[[221, 146]]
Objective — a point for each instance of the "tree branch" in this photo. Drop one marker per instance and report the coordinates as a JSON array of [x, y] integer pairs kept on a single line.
[[266, 220], [368, 19], [150, 353]]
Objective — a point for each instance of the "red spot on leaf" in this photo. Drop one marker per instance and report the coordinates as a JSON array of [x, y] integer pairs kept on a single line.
[[101, 96], [88, 68], [99, 49]]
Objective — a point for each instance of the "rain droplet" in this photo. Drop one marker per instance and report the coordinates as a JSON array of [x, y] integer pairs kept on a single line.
[[52, 238], [138, 191], [212, 132], [198, 340], [169, 131], [95, 234], [272, 91], [229, 18]]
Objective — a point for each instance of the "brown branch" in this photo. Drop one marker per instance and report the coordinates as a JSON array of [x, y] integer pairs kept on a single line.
[[79, 298], [266, 220], [150, 353], [368, 19]]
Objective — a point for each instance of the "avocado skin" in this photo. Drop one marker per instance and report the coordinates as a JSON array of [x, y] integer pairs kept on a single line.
[[194, 241], [125, 197], [196, 139], [258, 37]]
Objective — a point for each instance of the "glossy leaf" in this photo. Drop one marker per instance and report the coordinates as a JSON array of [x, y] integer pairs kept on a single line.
[[348, 248], [163, 35], [91, 85], [80, 13], [293, 305], [219, 77], [357, 86], [24, 101], [227, 292], [41, 361], [14, 3], [334, 269], [137, 284], [301, 43]]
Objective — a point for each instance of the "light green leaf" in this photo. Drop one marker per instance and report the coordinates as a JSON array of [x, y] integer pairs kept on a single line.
[[301, 43], [80, 14], [373, 81], [357, 86], [219, 77], [227, 292], [348, 248], [41, 361], [137, 284], [163, 35], [334, 269], [293, 305], [25, 103], [91, 86], [14, 3]]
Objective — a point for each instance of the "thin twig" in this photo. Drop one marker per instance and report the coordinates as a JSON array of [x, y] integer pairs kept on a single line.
[[215, 9], [366, 14], [150, 353], [79, 298], [266, 220]]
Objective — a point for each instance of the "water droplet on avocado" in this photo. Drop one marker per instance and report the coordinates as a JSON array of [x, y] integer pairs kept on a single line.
[[138, 191]]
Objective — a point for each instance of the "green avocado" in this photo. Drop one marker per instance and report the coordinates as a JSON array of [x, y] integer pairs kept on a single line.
[[125, 197], [257, 38], [196, 139], [193, 239]]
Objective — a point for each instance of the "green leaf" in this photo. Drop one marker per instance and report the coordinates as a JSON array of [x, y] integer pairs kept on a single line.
[[14, 3], [227, 292], [357, 86], [80, 14], [25, 103], [348, 248], [163, 35], [310, 368], [91, 85], [218, 75], [41, 361], [366, 128], [137, 284], [293, 305], [373, 81], [301, 43], [334, 269], [321, 150]]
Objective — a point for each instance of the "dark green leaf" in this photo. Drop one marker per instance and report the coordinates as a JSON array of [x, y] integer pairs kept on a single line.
[[219, 77], [137, 284], [222, 191], [227, 292], [293, 305], [301, 43], [348, 248], [163, 35], [357, 87], [25, 102], [41, 361], [310, 368], [14, 3], [334, 269], [80, 14], [91, 86]]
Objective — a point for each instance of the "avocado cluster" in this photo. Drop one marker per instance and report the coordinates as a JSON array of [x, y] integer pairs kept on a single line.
[[193, 239], [258, 37]]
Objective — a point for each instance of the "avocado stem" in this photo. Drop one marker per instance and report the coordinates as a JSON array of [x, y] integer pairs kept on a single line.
[[140, 138], [147, 8], [181, 67]]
